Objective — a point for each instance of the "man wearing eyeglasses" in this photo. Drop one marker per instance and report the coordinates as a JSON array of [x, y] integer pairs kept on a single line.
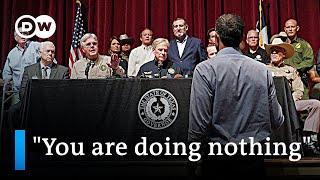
[[278, 52], [185, 52], [93, 65], [255, 51]]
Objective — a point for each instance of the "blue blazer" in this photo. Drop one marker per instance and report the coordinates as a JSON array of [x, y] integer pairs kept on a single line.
[[193, 53]]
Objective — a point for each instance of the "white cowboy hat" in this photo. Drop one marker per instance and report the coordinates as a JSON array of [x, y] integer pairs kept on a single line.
[[125, 39], [289, 51]]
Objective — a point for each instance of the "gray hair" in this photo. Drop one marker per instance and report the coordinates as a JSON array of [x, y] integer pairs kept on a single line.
[[15, 34], [87, 36], [44, 44], [158, 41]]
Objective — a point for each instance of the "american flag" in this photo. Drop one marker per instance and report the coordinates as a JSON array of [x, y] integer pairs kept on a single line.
[[78, 32]]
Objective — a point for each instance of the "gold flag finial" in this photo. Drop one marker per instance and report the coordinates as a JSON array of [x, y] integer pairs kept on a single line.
[[78, 2]]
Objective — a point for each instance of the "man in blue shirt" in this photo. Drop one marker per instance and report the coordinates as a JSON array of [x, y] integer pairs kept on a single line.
[[25, 53], [233, 99]]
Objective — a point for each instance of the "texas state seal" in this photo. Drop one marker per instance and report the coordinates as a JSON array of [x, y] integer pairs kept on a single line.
[[158, 109]]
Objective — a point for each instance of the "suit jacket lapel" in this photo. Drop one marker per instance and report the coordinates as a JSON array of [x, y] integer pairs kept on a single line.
[[186, 47], [39, 71], [176, 50], [53, 71]]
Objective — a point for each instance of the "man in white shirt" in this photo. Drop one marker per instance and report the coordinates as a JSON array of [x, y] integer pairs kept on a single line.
[[141, 54], [185, 51]]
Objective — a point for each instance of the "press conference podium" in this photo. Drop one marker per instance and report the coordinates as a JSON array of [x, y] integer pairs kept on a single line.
[[107, 111]]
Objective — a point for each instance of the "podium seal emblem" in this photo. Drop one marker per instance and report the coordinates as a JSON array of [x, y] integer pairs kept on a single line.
[[158, 109]]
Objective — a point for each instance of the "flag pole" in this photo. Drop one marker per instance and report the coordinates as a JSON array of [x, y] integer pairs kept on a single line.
[[260, 24]]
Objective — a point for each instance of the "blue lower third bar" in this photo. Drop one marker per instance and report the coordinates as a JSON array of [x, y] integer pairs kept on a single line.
[[20, 150]]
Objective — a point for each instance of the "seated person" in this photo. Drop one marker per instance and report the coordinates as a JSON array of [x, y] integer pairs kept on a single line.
[[278, 52], [314, 83], [45, 68], [160, 67], [93, 65]]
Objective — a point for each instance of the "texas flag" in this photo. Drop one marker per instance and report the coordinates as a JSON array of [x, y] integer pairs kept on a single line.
[[262, 26]]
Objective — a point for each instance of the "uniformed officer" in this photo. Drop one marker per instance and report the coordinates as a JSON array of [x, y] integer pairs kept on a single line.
[[302, 59], [94, 65], [278, 51]]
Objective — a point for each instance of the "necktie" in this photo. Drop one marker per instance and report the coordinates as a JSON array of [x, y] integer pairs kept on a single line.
[[45, 73]]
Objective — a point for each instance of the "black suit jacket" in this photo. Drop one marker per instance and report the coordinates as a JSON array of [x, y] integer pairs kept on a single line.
[[34, 72], [193, 53]]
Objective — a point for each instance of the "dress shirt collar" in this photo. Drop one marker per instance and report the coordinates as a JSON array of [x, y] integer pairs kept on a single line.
[[253, 51], [229, 50], [183, 41], [44, 66], [146, 47]]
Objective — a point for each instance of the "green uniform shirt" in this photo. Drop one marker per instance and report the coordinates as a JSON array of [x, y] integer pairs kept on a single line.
[[303, 56]]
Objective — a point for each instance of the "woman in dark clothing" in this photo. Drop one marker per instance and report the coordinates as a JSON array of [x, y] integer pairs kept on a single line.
[[115, 51]]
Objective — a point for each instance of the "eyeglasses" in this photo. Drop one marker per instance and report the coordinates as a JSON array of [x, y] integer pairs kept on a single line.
[[253, 37], [91, 44], [178, 25], [276, 49]]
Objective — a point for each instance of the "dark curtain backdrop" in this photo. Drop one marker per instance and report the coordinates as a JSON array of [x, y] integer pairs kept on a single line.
[[114, 17]]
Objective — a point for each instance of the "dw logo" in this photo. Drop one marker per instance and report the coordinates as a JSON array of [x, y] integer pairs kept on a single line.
[[43, 26]]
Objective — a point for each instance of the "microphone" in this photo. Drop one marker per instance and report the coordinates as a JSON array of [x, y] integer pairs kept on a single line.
[[160, 65], [92, 64], [86, 72], [171, 73]]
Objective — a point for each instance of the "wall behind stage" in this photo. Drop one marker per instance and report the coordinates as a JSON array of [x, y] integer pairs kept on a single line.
[[114, 17]]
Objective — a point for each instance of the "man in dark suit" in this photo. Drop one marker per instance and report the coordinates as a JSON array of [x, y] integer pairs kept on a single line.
[[45, 68], [185, 52]]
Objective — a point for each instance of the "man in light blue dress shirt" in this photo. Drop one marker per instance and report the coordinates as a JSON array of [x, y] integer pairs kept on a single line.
[[25, 53]]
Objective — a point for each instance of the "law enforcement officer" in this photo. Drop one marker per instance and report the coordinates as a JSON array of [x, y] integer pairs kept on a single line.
[[94, 65], [255, 51], [302, 59], [278, 51]]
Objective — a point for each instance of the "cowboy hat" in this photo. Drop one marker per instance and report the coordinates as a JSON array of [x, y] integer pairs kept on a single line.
[[277, 42], [125, 39]]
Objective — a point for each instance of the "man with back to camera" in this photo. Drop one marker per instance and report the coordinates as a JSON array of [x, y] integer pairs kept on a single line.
[[185, 52], [232, 98]]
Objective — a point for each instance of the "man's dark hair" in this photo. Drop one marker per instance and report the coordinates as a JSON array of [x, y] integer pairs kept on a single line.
[[209, 31], [230, 29]]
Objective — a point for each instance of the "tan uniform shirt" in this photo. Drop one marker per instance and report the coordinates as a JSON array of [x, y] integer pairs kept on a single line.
[[100, 69], [292, 76]]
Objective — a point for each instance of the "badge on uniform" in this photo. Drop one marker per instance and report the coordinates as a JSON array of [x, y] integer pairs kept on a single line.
[[103, 67]]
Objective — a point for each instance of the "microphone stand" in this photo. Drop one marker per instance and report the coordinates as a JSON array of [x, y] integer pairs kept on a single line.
[[86, 72], [160, 65]]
